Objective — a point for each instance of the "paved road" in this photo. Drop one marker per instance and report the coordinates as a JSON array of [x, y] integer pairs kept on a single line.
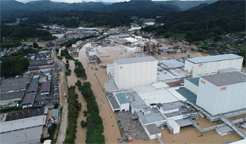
[[63, 100]]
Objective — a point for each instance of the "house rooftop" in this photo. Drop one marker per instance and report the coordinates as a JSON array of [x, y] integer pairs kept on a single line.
[[223, 79], [135, 60], [206, 59]]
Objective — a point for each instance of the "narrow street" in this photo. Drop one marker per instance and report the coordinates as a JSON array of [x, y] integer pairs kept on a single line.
[[63, 100]]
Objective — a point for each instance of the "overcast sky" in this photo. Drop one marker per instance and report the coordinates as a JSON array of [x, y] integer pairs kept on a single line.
[[76, 1]]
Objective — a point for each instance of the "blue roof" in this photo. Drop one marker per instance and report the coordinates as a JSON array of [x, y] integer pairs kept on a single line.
[[55, 112], [122, 98], [206, 59], [187, 94], [34, 80], [195, 81]]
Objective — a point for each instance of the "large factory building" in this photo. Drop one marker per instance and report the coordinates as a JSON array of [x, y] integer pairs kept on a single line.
[[201, 66], [135, 72], [222, 92]]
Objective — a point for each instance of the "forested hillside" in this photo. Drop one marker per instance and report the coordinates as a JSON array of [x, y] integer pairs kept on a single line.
[[208, 22], [69, 19], [23, 31], [144, 9]]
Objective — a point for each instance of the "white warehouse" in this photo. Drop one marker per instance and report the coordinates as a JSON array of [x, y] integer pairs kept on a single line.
[[222, 92], [201, 66], [135, 72]]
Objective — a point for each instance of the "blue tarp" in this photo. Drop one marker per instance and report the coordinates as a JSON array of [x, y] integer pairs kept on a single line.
[[55, 112]]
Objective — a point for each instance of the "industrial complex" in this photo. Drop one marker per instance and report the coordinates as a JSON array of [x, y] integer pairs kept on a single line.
[[212, 87]]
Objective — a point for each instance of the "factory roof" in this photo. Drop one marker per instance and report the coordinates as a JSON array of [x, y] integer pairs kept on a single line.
[[195, 81], [14, 81], [25, 114], [135, 60], [13, 88], [30, 135], [153, 116], [29, 97], [223, 79], [206, 59], [32, 87], [170, 106], [11, 96], [122, 98], [187, 94], [114, 103], [55, 112], [110, 65], [172, 63], [184, 122], [153, 129], [150, 94], [38, 62], [22, 123], [224, 130], [45, 87]]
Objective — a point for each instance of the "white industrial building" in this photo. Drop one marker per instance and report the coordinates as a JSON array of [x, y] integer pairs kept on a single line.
[[222, 92], [212, 64], [92, 52], [154, 105], [135, 72], [74, 46], [110, 68], [122, 101]]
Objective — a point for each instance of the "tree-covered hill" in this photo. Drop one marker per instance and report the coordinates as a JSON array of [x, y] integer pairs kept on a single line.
[[208, 22], [70, 18], [146, 9]]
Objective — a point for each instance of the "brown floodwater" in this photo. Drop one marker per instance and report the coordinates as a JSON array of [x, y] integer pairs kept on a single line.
[[97, 77]]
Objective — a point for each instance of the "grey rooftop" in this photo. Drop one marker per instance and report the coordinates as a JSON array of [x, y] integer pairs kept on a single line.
[[135, 60], [206, 59], [223, 79]]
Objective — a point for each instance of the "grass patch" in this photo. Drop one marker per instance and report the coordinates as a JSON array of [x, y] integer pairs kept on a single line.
[[8, 110]]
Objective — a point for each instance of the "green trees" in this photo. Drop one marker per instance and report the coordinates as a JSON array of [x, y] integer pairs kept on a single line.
[[85, 113], [83, 124], [15, 64], [209, 22], [73, 111], [35, 45], [79, 70], [23, 31], [93, 120], [78, 83]]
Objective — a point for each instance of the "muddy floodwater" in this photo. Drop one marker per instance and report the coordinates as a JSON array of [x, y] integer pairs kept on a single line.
[[97, 77]]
